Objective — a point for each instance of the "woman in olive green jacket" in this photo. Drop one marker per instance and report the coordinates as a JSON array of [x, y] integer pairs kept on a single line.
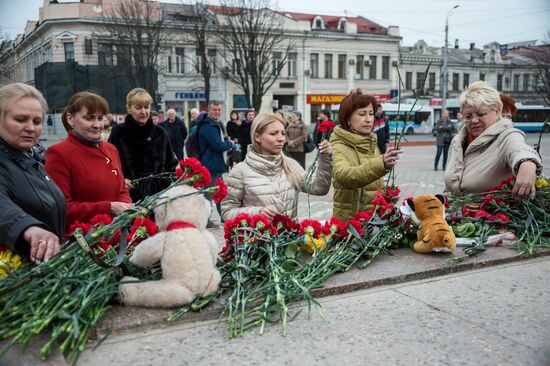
[[358, 167]]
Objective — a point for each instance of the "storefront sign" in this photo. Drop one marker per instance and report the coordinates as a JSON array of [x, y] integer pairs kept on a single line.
[[184, 95], [434, 102], [337, 98]]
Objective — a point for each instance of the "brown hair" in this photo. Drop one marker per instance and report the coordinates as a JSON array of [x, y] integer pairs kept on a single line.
[[353, 101], [508, 104], [91, 101]]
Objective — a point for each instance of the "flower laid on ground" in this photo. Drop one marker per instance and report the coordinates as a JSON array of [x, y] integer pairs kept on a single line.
[[141, 229], [284, 223], [541, 183], [9, 261]]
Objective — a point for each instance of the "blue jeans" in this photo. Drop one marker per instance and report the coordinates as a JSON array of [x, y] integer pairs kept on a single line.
[[440, 149]]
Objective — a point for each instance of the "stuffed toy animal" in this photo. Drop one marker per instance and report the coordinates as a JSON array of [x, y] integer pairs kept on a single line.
[[434, 234], [186, 250]]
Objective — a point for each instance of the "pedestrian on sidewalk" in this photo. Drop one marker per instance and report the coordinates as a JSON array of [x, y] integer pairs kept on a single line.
[[296, 134], [489, 149], [213, 145], [86, 168], [143, 147], [177, 132], [445, 131], [233, 128], [381, 128], [245, 127], [267, 181], [359, 167]]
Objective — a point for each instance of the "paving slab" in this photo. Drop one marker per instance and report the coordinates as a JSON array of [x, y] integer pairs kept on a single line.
[[403, 266], [390, 325]]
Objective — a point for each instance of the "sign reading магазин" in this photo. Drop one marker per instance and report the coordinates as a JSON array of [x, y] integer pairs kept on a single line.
[[337, 98]]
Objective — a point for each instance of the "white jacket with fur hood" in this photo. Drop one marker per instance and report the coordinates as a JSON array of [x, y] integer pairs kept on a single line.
[[489, 159], [260, 181]]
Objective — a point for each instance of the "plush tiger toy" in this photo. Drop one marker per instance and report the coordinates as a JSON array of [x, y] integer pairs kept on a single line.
[[434, 234]]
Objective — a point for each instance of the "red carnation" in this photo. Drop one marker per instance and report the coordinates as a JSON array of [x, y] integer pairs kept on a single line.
[[101, 219], [335, 228], [284, 222], [326, 127], [141, 229], [357, 225], [221, 192], [204, 179], [84, 228], [364, 216], [310, 227], [193, 164], [179, 173]]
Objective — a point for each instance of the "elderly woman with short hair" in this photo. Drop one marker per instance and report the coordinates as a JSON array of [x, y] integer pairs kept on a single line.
[[488, 149], [33, 208]]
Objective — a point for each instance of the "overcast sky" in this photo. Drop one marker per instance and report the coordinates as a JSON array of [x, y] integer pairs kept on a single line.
[[479, 21]]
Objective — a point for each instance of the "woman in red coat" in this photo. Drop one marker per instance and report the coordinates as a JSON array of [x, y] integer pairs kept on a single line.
[[86, 169]]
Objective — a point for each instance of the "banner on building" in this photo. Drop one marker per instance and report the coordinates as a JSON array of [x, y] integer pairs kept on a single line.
[[337, 98]]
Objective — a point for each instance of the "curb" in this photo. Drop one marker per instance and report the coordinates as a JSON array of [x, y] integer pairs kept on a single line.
[[389, 270]]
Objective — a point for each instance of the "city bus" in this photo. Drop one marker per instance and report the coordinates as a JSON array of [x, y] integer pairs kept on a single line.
[[420, 119], [531, 118]]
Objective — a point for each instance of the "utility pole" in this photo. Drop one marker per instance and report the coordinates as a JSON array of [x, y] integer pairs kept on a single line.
[[445, 58]]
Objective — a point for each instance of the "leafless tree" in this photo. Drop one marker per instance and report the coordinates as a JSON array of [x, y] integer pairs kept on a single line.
[[252, 32], [542, 75], [201, 26], [137, 27]]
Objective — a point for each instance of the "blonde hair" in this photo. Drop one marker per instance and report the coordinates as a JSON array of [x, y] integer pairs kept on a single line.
[[10, 93], [259, 125], [138, 96], [481, 94]]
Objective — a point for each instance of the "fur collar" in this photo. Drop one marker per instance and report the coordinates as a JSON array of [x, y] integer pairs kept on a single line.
[[137, 130]]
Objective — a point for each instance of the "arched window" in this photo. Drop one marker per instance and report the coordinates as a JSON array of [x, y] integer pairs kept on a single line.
[[342, 24], [318, 23]]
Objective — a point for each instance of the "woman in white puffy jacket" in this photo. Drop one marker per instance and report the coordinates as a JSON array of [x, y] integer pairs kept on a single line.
[[267, 181]]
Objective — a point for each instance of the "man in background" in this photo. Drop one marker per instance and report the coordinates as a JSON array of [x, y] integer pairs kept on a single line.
[[177, 132]]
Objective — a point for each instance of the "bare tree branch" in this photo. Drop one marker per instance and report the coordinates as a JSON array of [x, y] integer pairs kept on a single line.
[[252, 33], [137, 27]]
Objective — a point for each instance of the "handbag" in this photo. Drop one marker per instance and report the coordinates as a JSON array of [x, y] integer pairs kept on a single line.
[[309, 145]]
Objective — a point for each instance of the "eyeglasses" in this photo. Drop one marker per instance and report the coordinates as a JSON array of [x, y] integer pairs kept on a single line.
[[479, 116]]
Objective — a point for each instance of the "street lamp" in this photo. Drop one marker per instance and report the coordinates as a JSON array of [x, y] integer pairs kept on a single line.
[[445, 56]]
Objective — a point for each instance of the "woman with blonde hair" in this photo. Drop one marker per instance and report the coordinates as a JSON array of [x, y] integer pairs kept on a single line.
[[32, 217], [267, 181], [144, 147], [488, 149]]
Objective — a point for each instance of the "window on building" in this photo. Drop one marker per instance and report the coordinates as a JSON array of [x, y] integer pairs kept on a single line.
[[372, 67], [420, 82], [180, 52], [408, 80], [465, 81], [198, 61], [456, 78], [105, 54], [212, 60], [431, 81], [236, 66], [69, 51], [526, 81], [318, 23], [360, 66], [482, 76], [385, 67], [516, 82], [328, 66], [169, 61], [277, 57], [292, 65], [341, 66], [314, 65], [342, 24], [123, 55], [141, 56], [499, 82]]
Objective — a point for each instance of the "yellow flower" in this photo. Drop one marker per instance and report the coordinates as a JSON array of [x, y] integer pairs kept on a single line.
[[9, 262], [541, 182], [309, 244]]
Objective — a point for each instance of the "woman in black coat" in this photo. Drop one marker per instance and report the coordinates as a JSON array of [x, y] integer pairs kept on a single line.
[[32, 217], [144, 148]]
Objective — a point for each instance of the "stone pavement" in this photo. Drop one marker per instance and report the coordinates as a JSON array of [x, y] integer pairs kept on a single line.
[[493, 316]]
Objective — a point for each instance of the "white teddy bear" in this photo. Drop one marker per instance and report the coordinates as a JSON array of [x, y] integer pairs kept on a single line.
[[186, 250]]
